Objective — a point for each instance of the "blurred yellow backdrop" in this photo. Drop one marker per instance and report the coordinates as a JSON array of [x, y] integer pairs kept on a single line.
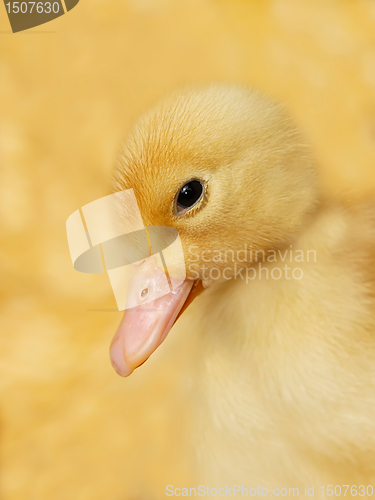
[[69, 91]]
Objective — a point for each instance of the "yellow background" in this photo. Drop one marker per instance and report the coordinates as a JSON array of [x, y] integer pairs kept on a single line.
[[70, 428]]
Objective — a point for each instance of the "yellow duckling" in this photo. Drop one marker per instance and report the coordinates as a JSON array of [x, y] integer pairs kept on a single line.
[[286, 320]]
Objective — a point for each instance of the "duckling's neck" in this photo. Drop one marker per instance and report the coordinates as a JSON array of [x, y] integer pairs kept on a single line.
[[251, 304], [269, 318]]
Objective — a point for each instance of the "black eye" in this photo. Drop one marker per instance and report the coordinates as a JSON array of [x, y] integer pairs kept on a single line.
[[189, 195]]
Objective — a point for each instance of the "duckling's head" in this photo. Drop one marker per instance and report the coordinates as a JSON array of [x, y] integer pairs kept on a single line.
[[227, 168]]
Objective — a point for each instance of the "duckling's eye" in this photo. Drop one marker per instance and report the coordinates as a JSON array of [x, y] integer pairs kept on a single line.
[[189, 195]]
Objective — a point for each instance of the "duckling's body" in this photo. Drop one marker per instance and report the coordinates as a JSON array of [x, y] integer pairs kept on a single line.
[[285, 384], [291, 400]]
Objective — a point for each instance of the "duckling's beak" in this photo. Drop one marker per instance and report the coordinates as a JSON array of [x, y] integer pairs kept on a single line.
[[152, 309]]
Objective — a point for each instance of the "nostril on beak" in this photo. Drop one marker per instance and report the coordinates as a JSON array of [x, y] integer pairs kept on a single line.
[[144, 293], [140, 263]]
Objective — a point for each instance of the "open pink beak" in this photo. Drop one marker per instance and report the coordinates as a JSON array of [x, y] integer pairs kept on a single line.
[[150, 314]]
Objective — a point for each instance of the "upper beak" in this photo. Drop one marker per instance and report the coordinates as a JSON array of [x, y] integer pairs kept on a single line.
[[145, 326]]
